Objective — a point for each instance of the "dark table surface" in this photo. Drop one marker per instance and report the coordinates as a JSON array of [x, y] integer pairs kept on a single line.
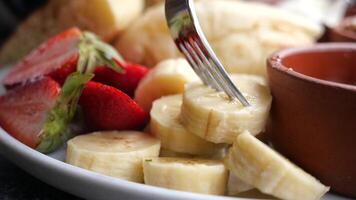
[[15, 184]]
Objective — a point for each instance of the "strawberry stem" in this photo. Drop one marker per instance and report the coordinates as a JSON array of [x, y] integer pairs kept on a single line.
[[94, 52], [55, 130]]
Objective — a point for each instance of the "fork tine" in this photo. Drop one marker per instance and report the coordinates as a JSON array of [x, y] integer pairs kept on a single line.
[[222, 77], [202, 68], [193, 63], [184, 26], [211, 68]]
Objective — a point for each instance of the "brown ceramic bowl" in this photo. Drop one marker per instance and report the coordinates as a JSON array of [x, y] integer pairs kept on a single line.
[[313, 115], [345, 32]]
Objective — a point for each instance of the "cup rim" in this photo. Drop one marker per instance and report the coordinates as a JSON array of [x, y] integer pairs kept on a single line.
[[275, 62]]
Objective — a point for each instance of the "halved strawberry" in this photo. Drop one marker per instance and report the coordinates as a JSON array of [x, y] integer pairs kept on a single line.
[[23, 110], [126, 81], [107, 108], [50, 57]]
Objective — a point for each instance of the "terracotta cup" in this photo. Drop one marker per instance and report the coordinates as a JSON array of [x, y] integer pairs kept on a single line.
[[313, 115]]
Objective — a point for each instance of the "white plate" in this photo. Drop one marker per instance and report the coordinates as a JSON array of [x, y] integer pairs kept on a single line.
[[83, 183]]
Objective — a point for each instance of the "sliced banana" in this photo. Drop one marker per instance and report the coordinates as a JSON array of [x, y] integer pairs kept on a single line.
[[167, 78], [169, 153], [166, 126], [214, 117], [236, 186], [257, 164], [219, 155], [113, 153], [193, 175]]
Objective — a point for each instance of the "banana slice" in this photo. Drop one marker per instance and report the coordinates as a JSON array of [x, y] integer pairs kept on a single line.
[[212, 116], [167, 78], [257, 164], [113, 153], [193, 175], [169, 153], [236, 186], [219, 155], [166, 126]]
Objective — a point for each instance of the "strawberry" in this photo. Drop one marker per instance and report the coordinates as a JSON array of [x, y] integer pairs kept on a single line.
[[107, 108], [70, 58], [55, 53], [126, 81], [23, 110], [61, 55]]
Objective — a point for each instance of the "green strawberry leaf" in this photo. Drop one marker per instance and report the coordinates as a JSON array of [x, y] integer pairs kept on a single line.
[[93, 52], [56, 128]]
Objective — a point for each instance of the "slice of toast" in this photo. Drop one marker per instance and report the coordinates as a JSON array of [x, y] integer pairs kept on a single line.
[[107, 18]]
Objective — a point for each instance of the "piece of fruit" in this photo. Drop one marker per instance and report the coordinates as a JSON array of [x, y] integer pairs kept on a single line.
[[107, 108], [168, 153], [71, 58], [258, 165], [167, 78], [236, 186], [166, 126], [57, 52], [61, 55], [127, 81], [213, 116], [193, 175], [106, 18], [23, 110], [113, 153]]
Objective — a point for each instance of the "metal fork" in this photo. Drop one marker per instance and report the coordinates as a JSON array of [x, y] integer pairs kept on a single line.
[[190, 40]]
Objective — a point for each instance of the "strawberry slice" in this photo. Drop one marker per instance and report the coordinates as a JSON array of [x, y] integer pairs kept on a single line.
[[107, 108], [23, 110], [48, 59], [127, 81]]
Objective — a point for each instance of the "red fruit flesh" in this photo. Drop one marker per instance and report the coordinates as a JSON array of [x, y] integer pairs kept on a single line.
[[107, 108], [126, 82], [23, 110], [55, 53]]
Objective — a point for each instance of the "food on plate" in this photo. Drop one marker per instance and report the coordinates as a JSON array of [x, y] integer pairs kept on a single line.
[[242, 34], [107, 108], [24, 109], [211, 115], [255, 163], [218, 155], [70, 58], [194, 175], [126, 82], [57, 57], [236, 186], [113, 153], [136, 110], [165, 125], [167, 78], [168, 153], [106, 18]]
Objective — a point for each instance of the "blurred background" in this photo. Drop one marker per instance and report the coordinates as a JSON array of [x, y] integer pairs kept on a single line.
[[12, 12]]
